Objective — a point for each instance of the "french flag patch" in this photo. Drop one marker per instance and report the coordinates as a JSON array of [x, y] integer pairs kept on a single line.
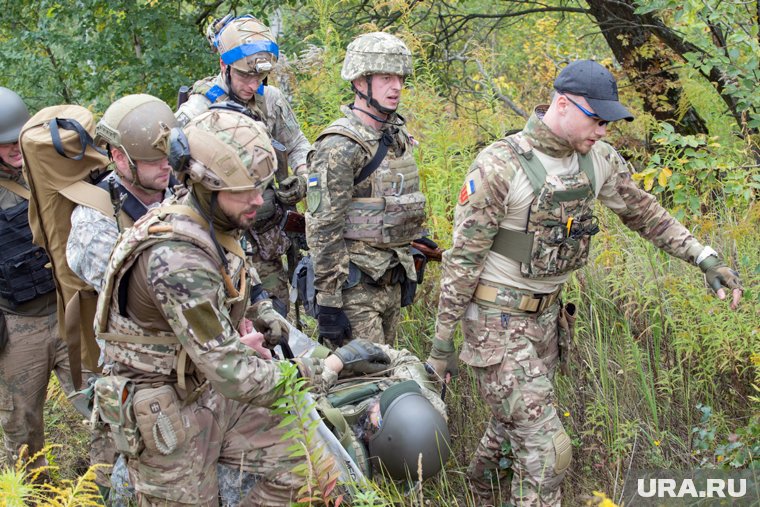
[[468, 189]]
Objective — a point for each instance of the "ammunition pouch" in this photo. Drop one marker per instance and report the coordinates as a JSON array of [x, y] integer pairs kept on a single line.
[[157, 412], [114, 398]]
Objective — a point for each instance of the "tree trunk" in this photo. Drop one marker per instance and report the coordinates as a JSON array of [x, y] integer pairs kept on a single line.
[[647, 62]]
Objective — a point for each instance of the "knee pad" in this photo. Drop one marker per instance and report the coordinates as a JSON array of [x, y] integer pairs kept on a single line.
[[563, 451]]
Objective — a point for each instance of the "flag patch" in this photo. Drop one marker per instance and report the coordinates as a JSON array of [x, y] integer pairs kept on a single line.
[[468, 189], [313, 181]]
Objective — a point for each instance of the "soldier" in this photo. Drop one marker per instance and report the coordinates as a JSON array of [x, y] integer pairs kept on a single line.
[[364, 204], [185, 392], [248, 52], [523, 223], [30, 347], [129, 129]]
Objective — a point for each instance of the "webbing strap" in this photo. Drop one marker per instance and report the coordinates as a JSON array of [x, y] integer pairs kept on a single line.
[[89, 195], [16, 188], [139, 339], [382, 150], [336, 418], [85, 139]]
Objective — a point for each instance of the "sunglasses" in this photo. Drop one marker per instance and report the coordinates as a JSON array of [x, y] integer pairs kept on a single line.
[[594, 116]]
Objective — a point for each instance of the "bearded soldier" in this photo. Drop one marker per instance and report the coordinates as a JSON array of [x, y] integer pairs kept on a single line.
[[248, 52], [185, 391], [364, 204], [523, 223]]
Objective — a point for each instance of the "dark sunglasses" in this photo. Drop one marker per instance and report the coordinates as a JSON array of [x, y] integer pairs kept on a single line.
[[594, 116]]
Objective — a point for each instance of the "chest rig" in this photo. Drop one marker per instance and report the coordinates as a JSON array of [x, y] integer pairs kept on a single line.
[[561, 220], [391, 212], [161, 352], [23, 276]]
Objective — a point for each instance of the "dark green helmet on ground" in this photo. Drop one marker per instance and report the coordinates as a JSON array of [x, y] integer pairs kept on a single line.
[[411, 427], [13, 115]]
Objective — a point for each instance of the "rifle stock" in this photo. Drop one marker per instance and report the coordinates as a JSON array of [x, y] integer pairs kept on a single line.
[[432, 254]]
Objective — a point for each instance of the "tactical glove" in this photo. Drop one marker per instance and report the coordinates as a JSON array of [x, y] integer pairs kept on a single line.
[[333, 325], [718, 275], [361, 356], [443, 359], [291, 190], [270, 323]]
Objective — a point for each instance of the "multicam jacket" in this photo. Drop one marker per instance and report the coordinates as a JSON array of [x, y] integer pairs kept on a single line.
[[183, 307], [498, 194], [333, 203]]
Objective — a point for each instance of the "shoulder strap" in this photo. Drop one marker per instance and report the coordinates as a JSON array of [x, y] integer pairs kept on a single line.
[[16, 188], [532, 166], [586, 163], [382, 150]]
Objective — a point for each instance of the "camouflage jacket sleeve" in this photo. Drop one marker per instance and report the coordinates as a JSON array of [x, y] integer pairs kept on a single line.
[[285, 127], [332, 164], [481, 207], [640, 211], [92, 237], [188, 290]]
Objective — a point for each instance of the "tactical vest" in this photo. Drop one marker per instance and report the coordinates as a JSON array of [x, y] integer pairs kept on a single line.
[[23, 275], [561, 220], [394, 212], [161, 352]]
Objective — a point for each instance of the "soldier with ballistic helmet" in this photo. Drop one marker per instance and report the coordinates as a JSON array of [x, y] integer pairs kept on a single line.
[[191, 384], [30, 345], [523, 224], [364, 205], [248, 52]]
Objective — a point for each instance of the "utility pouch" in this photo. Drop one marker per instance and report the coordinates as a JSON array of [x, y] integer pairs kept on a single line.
[[114, 397], [157, 412], [566, 326], [408, 291]]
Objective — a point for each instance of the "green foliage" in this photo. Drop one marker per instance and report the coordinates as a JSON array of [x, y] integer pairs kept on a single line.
[[318, 468], [691, 171], [739, 449]]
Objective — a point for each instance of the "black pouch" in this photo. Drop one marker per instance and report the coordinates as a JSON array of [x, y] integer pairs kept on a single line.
[[566, 327], [408, 291]]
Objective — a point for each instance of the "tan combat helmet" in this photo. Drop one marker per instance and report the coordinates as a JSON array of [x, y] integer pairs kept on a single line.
[[376, 53], [138, 125], [247, 44], [228, 151]]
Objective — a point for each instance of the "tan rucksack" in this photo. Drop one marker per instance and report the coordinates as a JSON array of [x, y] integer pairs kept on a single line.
[[60, 164]]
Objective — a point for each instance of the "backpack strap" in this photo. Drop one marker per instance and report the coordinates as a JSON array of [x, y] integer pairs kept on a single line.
[[93, 197], [16, 188]]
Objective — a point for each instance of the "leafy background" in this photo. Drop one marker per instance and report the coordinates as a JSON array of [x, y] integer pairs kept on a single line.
[[663, 375]]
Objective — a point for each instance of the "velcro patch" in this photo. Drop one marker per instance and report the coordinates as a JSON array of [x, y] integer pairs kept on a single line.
[[472, 185], [203, 321]]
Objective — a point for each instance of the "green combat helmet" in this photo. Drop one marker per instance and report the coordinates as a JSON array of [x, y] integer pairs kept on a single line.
[[13, 115], [227, 151], [139, 126], [411, 427], [376, 53]]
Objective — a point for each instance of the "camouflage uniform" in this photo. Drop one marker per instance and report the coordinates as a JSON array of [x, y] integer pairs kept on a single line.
[[339, 237], [281, 123], [178, 298], [512, 351], [34, 349]]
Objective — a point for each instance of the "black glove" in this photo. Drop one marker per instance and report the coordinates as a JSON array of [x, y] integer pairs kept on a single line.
[[425, 241], [333, 325], [361, 356]]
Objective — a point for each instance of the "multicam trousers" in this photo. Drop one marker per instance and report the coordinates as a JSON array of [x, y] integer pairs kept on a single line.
[[274, 279], [224, 431], [519, 392], [34, 350], [374, 311]]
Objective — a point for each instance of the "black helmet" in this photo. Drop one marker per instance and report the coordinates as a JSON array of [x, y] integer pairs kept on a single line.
[[411, 430]]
